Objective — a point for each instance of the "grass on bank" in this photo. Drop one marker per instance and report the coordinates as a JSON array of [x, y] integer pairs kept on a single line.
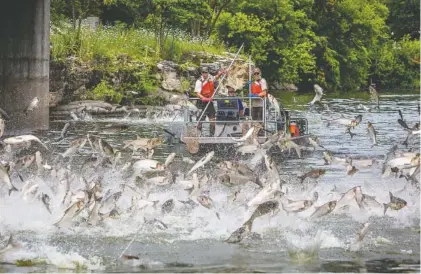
[[109, 42], [128, 53]]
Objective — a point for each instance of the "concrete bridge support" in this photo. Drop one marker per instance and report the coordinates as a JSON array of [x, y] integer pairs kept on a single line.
[[24, 63]]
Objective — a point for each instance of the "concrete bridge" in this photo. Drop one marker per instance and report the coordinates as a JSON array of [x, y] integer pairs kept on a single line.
[[24, 63]]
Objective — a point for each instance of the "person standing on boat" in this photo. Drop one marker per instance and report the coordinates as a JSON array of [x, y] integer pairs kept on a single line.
[[259, 88], [205, 88]]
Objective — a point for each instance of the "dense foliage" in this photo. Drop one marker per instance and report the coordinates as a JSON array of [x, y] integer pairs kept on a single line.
[[339, 44]]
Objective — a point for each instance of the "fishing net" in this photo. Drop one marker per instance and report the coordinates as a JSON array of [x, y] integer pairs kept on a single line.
[[192, 144]]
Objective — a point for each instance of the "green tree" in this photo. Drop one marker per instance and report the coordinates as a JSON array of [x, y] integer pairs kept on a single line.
[[397, 64], [278, 36], [404, 18], [347, 32]]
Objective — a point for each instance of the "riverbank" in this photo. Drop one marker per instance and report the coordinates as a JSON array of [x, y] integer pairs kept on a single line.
[[125, 66]]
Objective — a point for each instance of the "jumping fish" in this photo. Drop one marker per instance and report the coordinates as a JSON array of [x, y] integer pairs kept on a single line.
[[319, 93], [202, 162], [262, 209], [2, 126], [11, 244], [353, 193], [395, 203], [32, 105], [4, 176], [71, 212], [169, 159], [356, 246], [17, 140], [324, 209], [372, 133], [245, 137]]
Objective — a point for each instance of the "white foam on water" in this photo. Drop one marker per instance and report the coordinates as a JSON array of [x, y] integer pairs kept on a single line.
[[45, 254], [335, 230]]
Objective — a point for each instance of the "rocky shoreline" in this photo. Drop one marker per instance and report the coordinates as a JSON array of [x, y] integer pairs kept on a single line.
[[72, 80]]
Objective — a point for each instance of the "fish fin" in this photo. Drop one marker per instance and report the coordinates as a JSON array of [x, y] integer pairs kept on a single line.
[[248, 225], [155, 203], [12, 189], [57, 224], [189, 190], [259, 183], [385, 206], [10, 241], [217, 215]]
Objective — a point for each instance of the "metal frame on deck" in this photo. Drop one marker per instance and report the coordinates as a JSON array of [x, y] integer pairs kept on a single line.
[[216, 140], [270, 125]]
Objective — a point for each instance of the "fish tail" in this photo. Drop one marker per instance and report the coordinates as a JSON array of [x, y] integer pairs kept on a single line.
[[20, 176], [259, 182], [385, 206], [12, 189], [352, 134]]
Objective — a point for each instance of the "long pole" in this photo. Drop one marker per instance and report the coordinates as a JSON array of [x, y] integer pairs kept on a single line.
[[249, 87], [219, 84]]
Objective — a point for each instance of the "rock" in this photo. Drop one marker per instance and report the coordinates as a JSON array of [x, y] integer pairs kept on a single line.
[[72, 78], [167, 66], [87, 104], [284, 86], [80, 91], [212, 67], [171, 81], [53, 100]]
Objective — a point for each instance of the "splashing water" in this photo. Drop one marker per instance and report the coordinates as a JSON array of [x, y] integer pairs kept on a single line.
[[193, 239]]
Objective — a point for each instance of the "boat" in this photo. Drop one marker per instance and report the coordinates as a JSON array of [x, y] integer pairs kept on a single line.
[[230, 125]]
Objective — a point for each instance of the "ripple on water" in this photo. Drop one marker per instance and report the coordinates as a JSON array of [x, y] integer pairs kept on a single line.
[[193, 241]]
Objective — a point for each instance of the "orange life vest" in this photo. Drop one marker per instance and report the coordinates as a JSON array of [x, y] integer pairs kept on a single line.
[[207, 88], [256, 88]]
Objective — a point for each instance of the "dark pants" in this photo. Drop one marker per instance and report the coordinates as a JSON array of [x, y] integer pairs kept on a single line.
[[257, 113], [210, 112]]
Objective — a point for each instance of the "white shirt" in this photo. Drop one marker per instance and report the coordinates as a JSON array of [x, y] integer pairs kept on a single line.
[[201, 81]]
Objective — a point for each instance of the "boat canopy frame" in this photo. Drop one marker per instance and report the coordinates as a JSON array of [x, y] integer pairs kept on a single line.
[[272, 122]]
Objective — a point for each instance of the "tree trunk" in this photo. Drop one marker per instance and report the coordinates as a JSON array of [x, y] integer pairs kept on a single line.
[[215, 16], [73, 15]]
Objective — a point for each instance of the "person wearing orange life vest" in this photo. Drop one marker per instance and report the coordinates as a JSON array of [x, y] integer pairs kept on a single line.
[[259, 88], [205, 88]]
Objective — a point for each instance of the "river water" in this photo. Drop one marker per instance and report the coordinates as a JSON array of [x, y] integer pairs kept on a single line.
[[193, 241]]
